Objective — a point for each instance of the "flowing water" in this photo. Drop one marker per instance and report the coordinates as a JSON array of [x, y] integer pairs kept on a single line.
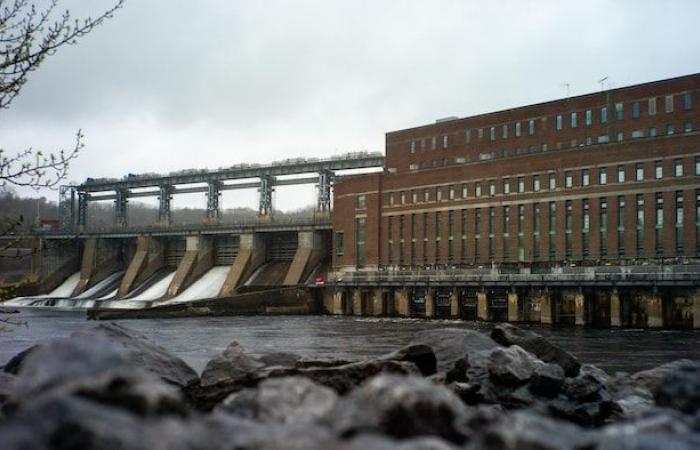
[[196, 340]]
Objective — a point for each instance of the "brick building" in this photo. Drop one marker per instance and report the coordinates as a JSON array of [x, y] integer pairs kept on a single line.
[[603, 178]]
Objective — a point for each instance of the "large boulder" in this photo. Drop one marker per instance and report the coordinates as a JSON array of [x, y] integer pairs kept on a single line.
[[680, 389], [6, 385], [401, 407], [507, 335], [284, 400], [511, 366], [452, 344]]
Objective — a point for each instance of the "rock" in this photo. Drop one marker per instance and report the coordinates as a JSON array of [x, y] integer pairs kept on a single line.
[[6, 385], [421, 355], [294, 400], [93, 369], [511, 366], [507, 335], [377, 442], [140, 352], [582, 388], [651, 379], [401, 407], [526, 430], [547, 379], [651, 429], [680, 389], [452, 344], [586, 402]]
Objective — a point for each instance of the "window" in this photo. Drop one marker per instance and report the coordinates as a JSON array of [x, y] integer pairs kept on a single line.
[[603, 227], [433, 143], [531, 127], [402, 196], [678, 168], [521, 184], [604, 114], [413, 166], [544, 147], [506, 185], [585, 227], [585, 177], [492, 188], [445, 142], [536, 230], [620, 136], [478, 189], [521, 232], [697, 165], [619, 111], [465, 190], [635, 110], [589, 141], [568, 179], [492, 133], [552, 181], [659, 225], [560, 122], [652, 131], [679, 223], [360, 241], [552, 230], [669, 103], [621, 226], [481, 133], [688, 127], [652, 106], [658, 170], [504, 132], [620, 174], [568, 221], [414, 196], [361, 201], [602, 176], [536, 183], [640, 225], [413, 146], [573, 120], [451, 192], [637, 134], [669, 129], [339, 243], [426, 195], [469, 136], [603, 139], [517, 129], [687, 101], [589, 117], [639, 172], [438, 194]]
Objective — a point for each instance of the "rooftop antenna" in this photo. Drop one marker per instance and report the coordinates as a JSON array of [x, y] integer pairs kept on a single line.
[[568, 88], [602, 82]]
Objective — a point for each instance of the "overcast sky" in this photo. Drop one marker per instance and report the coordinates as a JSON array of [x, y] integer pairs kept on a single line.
[[168, 85]]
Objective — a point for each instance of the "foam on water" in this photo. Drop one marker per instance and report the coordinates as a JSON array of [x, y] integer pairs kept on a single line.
[[156, 291], [66, 288]]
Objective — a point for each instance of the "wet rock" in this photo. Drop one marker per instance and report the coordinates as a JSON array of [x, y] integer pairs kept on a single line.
[[378, 442], [582, 388], [547, 379], [421, 355], [507, 335], [140, 352], [452, 344], [285, 400], [511, 366], [651, 429], [680, 389], [401, 407], [527, 430], [6, 388], [586, 402]]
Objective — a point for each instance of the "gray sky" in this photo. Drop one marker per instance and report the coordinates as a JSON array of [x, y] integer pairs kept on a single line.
[[168, 85]]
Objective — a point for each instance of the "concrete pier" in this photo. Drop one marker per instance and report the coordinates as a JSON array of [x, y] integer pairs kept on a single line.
[[654, 309], [580, 305], [513, 308], [615, 320], [402, 302], [546, 310], [454, 304], [482, 306], [430, 304]]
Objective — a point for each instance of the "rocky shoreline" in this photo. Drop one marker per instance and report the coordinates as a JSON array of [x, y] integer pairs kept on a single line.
[[109, 387]]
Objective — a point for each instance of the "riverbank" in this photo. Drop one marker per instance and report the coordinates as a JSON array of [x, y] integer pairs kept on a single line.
[[107, 386]]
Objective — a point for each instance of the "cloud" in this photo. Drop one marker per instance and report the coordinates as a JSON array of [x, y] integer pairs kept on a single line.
[[168, 85]]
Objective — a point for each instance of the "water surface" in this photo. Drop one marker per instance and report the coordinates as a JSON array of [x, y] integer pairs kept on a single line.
[[196, 340]]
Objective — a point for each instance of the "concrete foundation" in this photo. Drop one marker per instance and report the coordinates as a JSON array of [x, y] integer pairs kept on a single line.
[[654, 309], [513, 308], [402, 303], [482, 306], [615, 320], [357, 302], [430, 304], [454, 305], [198, 258], [580, 305], [251, 255], [378, 302], [148, 258], [546, 310], [696, 311]]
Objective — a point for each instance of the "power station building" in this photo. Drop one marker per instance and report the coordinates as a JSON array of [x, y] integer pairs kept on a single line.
[[609, 178]]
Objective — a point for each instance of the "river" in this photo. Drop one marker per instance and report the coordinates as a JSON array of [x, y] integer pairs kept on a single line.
[[196, 340]]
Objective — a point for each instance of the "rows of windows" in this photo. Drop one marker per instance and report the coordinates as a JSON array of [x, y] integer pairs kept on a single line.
[[577, 228], [536, 183], [515, 129]]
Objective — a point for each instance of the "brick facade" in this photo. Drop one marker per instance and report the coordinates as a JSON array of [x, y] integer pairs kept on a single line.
[[665, 144]]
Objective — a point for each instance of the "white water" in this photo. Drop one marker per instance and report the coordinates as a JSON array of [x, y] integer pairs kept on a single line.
[[154, 292], [110, 294], [66, 288], [208, 286], [101, 286]]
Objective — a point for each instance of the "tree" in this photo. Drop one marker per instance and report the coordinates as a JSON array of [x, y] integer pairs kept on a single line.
[[28, 35]]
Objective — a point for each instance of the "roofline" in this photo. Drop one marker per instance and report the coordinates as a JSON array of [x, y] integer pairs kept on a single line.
[[532, 105]]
